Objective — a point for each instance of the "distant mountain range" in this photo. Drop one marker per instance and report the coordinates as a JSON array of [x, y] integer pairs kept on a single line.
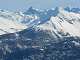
[[58, 22], [51, 34]]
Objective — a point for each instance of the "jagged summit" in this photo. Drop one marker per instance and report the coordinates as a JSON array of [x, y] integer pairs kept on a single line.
[[65, 22], [58, 21]]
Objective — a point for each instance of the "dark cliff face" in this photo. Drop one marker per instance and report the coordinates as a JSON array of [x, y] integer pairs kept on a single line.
[[32, 45]]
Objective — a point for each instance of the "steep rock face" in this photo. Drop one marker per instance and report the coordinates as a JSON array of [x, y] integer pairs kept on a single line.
[[67, 23]]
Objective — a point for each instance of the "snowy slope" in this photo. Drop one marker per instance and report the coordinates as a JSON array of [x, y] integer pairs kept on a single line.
[[9, 23], [56, 21], [65, 22]]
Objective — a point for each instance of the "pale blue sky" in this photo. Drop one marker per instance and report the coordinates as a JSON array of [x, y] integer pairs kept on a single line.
[[41, 4]]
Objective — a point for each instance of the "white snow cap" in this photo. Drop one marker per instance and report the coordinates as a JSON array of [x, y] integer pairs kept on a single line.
[[65, 22]]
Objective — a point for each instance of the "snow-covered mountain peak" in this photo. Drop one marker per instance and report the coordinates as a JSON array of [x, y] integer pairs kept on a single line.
[[10, 22], [67, 23], [56, 21], [68, 15]]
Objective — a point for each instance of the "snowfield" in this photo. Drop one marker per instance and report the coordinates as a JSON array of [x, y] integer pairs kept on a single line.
[[64, 22]]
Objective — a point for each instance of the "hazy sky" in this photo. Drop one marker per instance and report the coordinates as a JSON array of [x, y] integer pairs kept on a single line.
[[41, 4]]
